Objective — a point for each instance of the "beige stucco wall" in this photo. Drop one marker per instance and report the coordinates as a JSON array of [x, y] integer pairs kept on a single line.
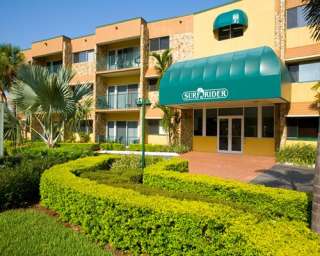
[[260, 31]]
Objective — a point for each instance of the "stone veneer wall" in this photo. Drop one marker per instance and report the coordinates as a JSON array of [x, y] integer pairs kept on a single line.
[[181, 46], [67, 53], [281, 110], [280, 28], [83, 70]]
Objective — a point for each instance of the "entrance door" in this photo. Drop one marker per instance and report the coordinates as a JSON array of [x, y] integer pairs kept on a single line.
[[230, 134]]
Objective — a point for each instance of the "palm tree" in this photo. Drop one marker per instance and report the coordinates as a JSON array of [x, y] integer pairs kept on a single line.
[[48, 98], [11, 58], [171, 117], [312, 15], [163, 61], [83, 110]]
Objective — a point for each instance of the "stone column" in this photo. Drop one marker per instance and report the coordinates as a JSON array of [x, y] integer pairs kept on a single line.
[[186, 127], [67, 53], [281, 110]]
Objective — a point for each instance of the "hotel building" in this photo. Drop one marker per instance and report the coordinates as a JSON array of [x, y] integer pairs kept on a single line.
[[242, 76]]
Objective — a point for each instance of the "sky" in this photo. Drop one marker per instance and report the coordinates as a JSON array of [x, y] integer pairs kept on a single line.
[[25, 21]]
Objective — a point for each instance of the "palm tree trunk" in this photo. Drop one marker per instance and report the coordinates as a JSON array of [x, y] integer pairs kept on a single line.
[[316, 190]]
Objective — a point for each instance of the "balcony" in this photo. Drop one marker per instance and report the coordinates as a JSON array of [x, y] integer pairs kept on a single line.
[[117, 102], [114, 60]]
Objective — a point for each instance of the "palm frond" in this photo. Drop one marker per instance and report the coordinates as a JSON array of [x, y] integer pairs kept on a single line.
[[312, 15]]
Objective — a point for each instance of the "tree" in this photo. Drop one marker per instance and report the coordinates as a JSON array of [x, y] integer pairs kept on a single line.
[[171, 117], [312, 15], [11, 58], [48, 98]]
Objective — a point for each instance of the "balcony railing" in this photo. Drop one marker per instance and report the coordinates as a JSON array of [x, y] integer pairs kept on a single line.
[[104, 64], [120, 101]]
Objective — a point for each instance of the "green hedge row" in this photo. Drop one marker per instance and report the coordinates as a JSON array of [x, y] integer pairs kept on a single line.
[[160, 148], [156, 225], [267, 201], [112, 146], [298, 154], [20, 173]]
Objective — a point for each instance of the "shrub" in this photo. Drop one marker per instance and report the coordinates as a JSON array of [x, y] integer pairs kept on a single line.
[[267, 201], [84, 137], [112, 146], [124, 169], [298, 154], [157, 225], [20, 173]]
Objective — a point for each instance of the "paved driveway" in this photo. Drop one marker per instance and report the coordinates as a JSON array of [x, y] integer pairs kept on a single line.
[[254, 169], [281, 176]]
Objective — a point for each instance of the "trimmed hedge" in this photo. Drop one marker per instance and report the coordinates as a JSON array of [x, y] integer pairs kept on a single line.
[[298, 154], [271, 202], [157, 225], [20, 173], [112, 146]]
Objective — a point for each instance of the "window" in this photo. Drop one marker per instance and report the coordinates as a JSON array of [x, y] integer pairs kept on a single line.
[[153, 126], [160, 43], [123, 58], [211, 122], [296, 18], [302, 127], [153, 86], [86, 126], [122, 97], [267, 122], [305, 72], [251, 122], [124, 132], [231, 31], [54, 66], [84, 56], [197, 122]]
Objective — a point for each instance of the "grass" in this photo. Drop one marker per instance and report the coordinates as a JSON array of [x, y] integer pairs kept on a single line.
[[30, 232]]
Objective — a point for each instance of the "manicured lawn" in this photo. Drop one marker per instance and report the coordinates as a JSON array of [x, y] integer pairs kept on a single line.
[[30, 232]]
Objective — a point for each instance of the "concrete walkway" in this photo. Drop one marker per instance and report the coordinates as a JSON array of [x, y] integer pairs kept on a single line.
[[229, 166], [253, 169]]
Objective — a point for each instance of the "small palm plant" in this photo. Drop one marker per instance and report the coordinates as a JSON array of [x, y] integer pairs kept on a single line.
[[171, 117], [48, 98]]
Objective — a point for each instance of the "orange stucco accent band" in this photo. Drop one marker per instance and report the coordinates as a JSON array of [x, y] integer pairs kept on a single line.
[[173, 26], [302, 109], [83, 43], [46, 47], [118, 31], [303, 51], [294, 3]]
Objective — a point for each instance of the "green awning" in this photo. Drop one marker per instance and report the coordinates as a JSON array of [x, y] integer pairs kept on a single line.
[[245, 75], [231, 18]]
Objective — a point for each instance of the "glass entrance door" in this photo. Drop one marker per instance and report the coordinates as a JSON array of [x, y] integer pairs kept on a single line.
[[230, 134]]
